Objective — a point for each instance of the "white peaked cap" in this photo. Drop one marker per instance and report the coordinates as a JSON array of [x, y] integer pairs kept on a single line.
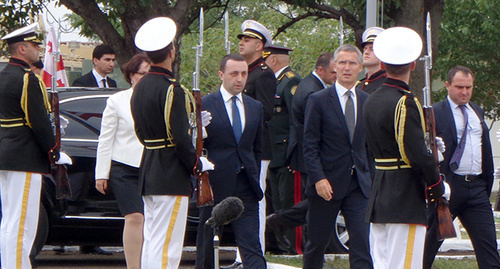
[[254, 29], [26, 33], [155, 34], [398, 46]]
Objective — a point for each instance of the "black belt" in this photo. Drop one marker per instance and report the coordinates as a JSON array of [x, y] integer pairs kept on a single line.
[[468, 178]]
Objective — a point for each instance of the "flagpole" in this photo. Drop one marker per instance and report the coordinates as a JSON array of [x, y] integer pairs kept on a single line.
[[55, 57]]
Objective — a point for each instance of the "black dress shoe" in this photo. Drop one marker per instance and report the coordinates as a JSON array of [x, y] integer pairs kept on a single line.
[[94, 250], [279, 232], [235, 265]]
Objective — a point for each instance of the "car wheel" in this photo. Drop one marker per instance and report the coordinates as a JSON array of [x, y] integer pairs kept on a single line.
[[41, 234], [339, 243]]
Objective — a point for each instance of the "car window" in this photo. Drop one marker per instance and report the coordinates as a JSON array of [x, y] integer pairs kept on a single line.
[[84, 114]]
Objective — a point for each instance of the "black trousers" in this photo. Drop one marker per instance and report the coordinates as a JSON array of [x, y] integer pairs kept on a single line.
[[321, 222], [245, 229], [470, 203]]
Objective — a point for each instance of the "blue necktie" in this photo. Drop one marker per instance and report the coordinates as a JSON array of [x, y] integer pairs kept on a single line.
[[459, 151], [236, 120]]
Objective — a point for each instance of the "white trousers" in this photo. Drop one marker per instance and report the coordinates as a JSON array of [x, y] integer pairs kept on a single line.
[[397, 246], [20, 192], [165, 219], [264, 165]]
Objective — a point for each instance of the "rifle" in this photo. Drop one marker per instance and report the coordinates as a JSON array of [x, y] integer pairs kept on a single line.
[[227, 43], [445, 228], [205, 196], [59, 173]]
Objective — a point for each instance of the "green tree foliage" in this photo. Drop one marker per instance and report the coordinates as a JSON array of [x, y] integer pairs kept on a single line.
[[308, 37], [470, 34]]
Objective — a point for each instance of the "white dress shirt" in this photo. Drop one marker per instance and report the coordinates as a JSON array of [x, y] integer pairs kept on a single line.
[[99, 79], [341, 92], [320, 80], [117, 141], [470, 164], [226, 96]]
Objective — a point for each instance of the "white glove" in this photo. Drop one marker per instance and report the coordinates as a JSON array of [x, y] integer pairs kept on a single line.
[[498, 135], [63, 122], [440, 156], [440, 144], [206, 165], [64, 159], [206, 117], [447, 191], [497, 173]]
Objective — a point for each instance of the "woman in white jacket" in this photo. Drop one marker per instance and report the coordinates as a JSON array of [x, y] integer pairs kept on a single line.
[[118, 158]]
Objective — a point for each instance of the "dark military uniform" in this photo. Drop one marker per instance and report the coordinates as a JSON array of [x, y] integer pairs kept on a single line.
[[261, 86], [280, 178], [404, 166], [162, 124], [27, 148], [369, 85], [27, 141]]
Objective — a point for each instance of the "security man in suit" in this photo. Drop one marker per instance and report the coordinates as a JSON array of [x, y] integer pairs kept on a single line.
[[261, 86], [27, 146], [234, 144], [337, 163], [406, 171], [280, 178], [103, 58], [375, 75], [163, 111], [468, 167]]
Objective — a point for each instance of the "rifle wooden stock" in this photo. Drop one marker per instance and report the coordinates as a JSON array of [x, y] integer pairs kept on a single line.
[[444, 221], [59, 173], [204, 195]]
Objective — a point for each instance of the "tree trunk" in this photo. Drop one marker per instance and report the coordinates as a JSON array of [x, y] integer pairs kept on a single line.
[[413, 14]]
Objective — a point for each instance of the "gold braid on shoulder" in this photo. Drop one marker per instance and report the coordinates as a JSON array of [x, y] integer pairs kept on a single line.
[[189, 104], [400, 123], [24, 96]]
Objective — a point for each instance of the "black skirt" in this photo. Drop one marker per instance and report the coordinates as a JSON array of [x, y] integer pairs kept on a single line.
[[124, 183]]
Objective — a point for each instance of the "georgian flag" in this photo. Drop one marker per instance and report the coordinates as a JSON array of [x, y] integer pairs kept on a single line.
[[48, 63]]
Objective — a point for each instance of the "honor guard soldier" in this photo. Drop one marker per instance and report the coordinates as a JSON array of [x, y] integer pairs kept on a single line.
[[261, 86], [163, 113], [406, 171], [375, 76], [27, 146], [279, 176]]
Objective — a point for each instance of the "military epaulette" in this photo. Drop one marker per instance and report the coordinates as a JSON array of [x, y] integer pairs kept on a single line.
[[290, 74], [293, 89]]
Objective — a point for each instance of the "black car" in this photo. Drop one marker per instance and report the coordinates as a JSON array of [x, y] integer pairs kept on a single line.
[[87, 217]]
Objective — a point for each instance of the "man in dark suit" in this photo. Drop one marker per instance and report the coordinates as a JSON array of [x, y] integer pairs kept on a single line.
[[261, 86], [103, 58], [468, 167], [234, 144], [337, 164], [322, 76]]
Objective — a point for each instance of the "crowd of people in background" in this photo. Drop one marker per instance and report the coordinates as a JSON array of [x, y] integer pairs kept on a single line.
[[297, 150]]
